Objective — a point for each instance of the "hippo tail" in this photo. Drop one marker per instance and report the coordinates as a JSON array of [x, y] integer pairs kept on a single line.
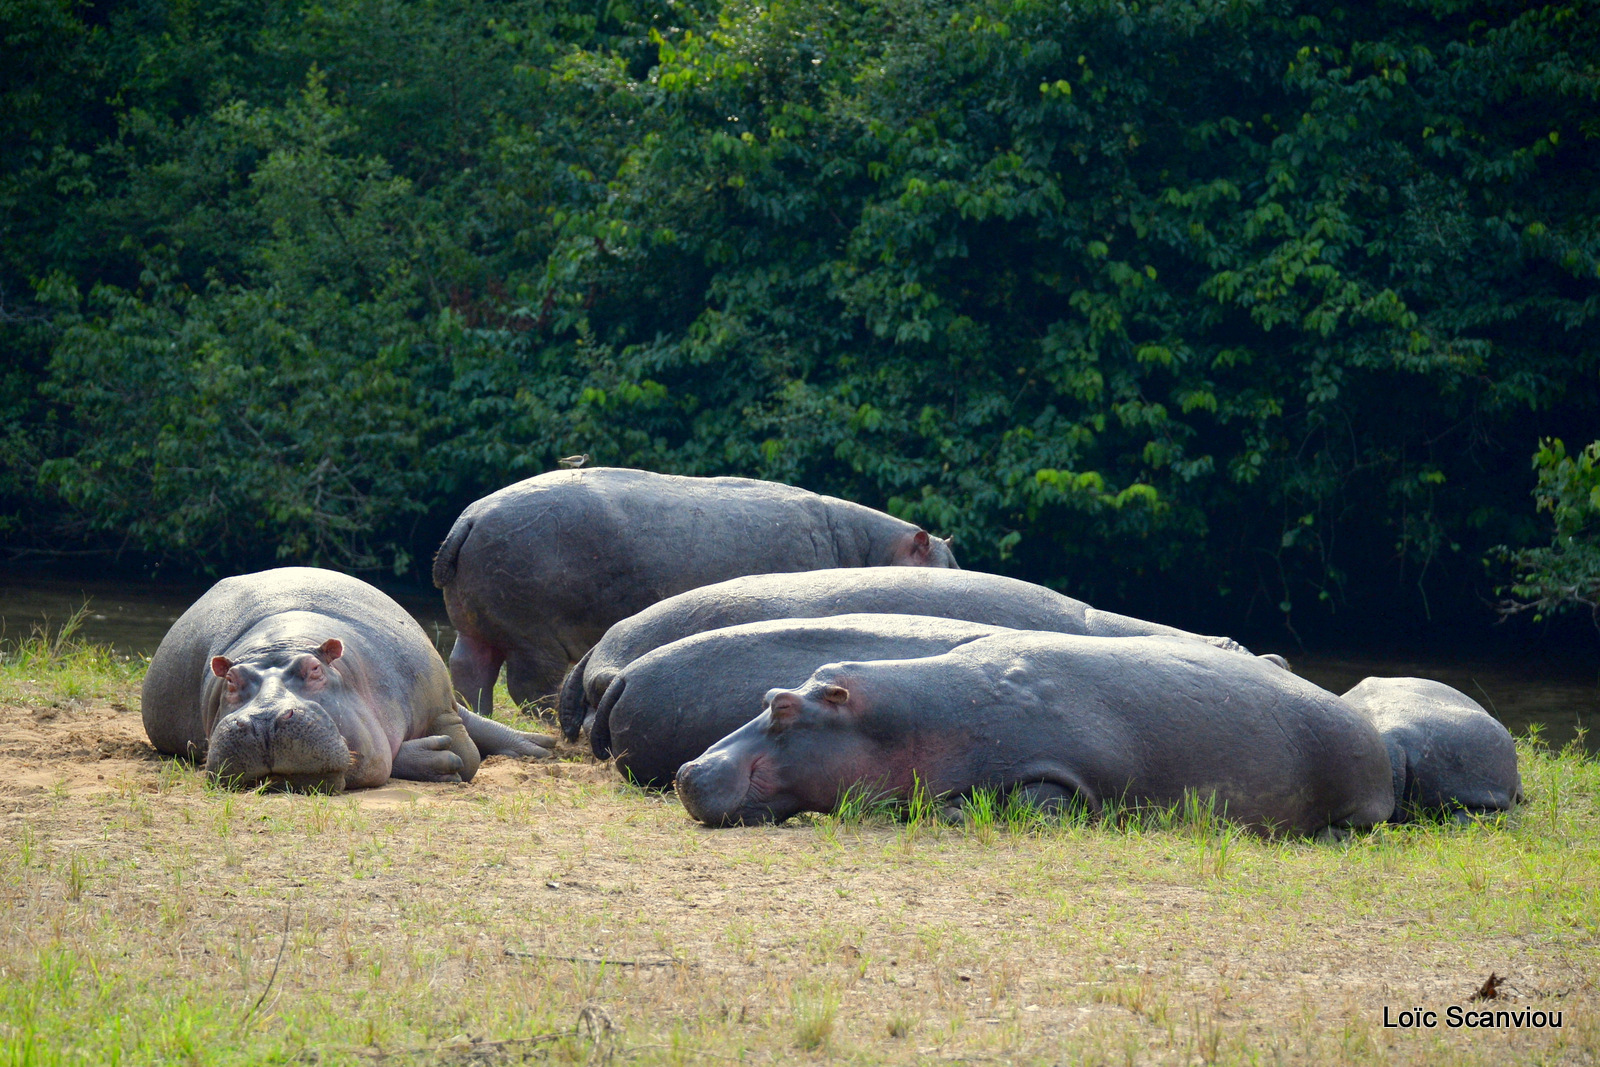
[[444, 560], [600, 729], [570, 707]]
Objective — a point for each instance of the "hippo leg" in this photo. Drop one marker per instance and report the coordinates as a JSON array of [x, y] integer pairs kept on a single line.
[[498, 739], [446, 756], [535, 671], [474, 666]]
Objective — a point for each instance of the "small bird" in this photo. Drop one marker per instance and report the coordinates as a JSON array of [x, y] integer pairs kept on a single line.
[[574, 461]]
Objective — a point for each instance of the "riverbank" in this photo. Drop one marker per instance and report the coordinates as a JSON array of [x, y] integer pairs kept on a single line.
[[1525, 684], [547, 911]]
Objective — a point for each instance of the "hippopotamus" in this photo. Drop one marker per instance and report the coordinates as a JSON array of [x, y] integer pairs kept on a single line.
[[1446, 754], [969, 595], [534, 574], [670, 705], [312, 679], [1060, 720]]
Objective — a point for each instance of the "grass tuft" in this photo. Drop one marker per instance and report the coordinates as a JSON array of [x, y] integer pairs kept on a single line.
[[815, 1013], [61, 663]]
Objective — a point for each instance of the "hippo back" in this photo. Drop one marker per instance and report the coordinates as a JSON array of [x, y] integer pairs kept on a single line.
[[970, 596], [175, 685]]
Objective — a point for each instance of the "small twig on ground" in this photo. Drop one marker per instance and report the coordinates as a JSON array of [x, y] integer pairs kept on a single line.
[[664, 962], [282, 943], [631, 1049], [602, 1032], [592, 1018], [423, 1050]]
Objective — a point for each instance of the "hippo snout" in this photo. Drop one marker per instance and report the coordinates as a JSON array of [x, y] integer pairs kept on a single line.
[[690, 789], [298, 745], [733, 784], [713, 789]]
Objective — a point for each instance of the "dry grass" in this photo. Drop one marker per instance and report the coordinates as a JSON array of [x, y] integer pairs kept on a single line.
[[547, 912]]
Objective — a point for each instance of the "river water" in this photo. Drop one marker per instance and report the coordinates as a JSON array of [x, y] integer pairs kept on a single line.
[[1561, 698]]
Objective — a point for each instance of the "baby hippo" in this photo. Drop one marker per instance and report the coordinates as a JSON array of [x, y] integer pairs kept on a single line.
[[1446, 754], [311, 679]]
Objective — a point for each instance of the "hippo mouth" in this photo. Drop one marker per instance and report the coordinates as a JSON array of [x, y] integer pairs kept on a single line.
[[331, 782]]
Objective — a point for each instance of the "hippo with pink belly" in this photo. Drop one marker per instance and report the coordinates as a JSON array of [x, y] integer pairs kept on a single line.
[[312, 679], [535, 573], [1061, 720]]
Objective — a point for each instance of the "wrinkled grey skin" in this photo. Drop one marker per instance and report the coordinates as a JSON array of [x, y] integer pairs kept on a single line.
[[668, 706], [969, 595], [1447, 755], [1062, 720], [312, 679], [535, 573]]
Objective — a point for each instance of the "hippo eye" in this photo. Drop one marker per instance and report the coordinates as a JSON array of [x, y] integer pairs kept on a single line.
[[240, 682], [836, 694]]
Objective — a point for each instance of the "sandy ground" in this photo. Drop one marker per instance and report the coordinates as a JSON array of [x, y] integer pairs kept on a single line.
[[498, 910]]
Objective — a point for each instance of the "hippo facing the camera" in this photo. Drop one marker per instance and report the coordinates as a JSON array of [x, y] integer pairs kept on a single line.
[[312, 679], [1061, 720], [971, 596], [667, 707], [1447, 755], [535, 573]]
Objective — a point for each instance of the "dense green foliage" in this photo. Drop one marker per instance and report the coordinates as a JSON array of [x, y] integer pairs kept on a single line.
[[1565, 573], [1265, 300]]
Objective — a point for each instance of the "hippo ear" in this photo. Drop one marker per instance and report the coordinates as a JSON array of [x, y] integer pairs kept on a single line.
[[919, 543], [836, 694], [220, 666], [330, 650]]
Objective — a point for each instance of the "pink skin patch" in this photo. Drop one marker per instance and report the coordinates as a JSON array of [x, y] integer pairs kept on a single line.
[[764, 783], [924, 757]]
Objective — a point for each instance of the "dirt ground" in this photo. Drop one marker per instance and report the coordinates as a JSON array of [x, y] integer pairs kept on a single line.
[[547, 910]]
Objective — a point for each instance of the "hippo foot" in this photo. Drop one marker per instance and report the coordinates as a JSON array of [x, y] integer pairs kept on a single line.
[[529, 746], [1332, 835], [427, 759], [498, 739]]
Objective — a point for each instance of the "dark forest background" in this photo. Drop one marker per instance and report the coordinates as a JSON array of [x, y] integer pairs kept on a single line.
[[1238, 312]]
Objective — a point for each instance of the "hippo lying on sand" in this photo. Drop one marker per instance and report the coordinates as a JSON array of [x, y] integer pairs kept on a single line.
[[667, 707], [313, 679], [969, 595], [1446, 754], [535, 573], [1059, 719]]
